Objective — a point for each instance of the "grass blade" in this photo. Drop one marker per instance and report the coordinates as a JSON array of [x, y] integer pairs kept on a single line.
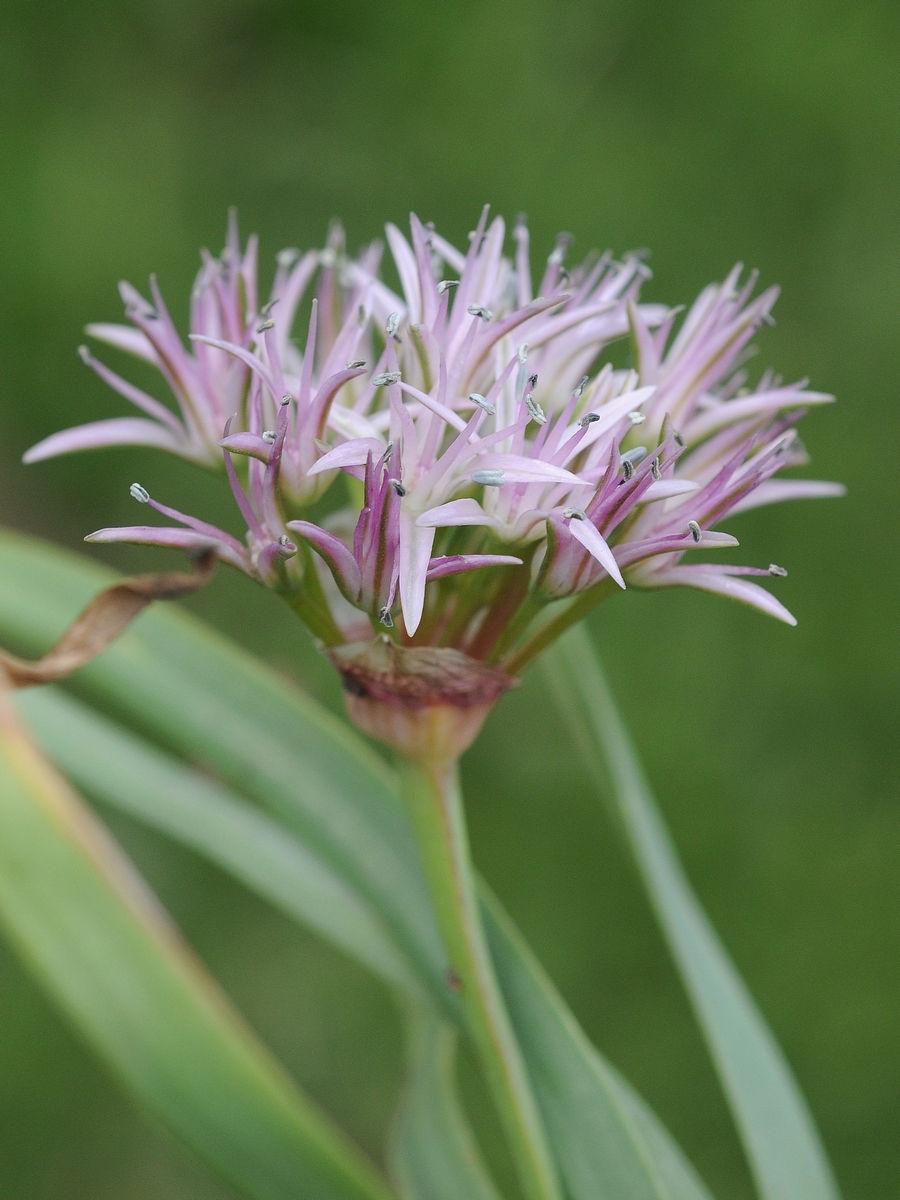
[[782, 1145], [433, 1154], [82, 916]]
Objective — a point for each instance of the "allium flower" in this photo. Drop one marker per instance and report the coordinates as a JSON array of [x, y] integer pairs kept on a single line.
[[510, 481], [230, 338]]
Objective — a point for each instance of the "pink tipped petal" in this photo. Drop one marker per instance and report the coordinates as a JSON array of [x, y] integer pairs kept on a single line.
[[758, 403], [774, 491], [584, 532], [351, 454], [339, 558], [250, 360], [118, 431], [248, 444], [517, 468], [665, 489], [174, 539], [454, 564], [123, 337], [723, 583], [415, 557], [457, 512]]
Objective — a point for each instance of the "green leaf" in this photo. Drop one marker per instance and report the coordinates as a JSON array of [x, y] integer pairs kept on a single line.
[[315, 751], [598, 1124], [174, 677], [121, 769], [608, 1142], [82, 916], [781, 1141], [432, 1153]]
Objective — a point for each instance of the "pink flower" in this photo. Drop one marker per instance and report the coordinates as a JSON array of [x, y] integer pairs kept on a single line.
[[485, 436]]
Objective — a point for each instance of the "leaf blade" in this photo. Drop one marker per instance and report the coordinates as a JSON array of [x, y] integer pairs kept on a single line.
[[782, 1144], [85, 920]]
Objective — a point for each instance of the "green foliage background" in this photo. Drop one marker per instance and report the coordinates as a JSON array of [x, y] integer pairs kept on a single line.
[[761, 131]]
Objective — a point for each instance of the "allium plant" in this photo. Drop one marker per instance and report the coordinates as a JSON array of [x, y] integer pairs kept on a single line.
[[441, 481]]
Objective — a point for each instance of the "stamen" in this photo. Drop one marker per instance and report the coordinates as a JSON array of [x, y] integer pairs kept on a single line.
[[483, 402], [535, 411], [286, 544], [628, 468], [286, 400], [357, 362], [655, 471], [398, 487], [478, 310], [696, 531], [634, 456], [679, 439], [589, 419], [286, 258], [268, 306], [392, 324], [384, 616], [636, 418], [446, 284], [139, 493], [780, 572], [385, 378], [388, 451], [582, 384], [269, 435], [522, 355], [488, 478], [264, 326], [559, 250], [573, 514]]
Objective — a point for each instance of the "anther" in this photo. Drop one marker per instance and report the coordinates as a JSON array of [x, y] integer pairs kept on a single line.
[[286, 258], [679, 439], [478, 310], [582, 384], [636, 418], [573, 514], [384, 616], [357, 362], [388, 451], [628, 468], [268, 306], [522, 355], [264, 326], [286, 544], [589, 419], [780, 572], [483, 402], [398, 487], [139, 493], [635, 455], [488, 478], [655, 471], [535, 411], [392, 324], [286, 400], [269, 435], [385, 378], [446, 284], [695, 530]]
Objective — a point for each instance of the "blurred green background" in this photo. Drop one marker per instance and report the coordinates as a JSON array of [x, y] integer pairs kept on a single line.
[[765, 131]]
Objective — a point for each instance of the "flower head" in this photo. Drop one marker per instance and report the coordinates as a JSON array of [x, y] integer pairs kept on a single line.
[[502, 478]]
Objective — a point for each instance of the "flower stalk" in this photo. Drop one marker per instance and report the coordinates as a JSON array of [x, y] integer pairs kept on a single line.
[[434, 803]]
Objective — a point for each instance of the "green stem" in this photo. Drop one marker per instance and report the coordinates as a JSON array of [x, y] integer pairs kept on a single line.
[[435, 805]]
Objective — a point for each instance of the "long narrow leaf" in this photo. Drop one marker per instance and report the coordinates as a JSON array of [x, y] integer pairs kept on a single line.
[[432, 1152], [175, 677], [594, 1116], [115, 766], [782, 1145], [89, 926], [608, 1141]]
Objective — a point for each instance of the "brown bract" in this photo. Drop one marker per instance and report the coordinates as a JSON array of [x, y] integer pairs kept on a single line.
[[429, 703], [106, 617]]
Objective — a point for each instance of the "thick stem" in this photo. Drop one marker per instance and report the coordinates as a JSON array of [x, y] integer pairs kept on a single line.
[[435, 805]]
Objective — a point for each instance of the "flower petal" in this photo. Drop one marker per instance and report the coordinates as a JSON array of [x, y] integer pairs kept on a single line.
[[594, 542], [118, 431]]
